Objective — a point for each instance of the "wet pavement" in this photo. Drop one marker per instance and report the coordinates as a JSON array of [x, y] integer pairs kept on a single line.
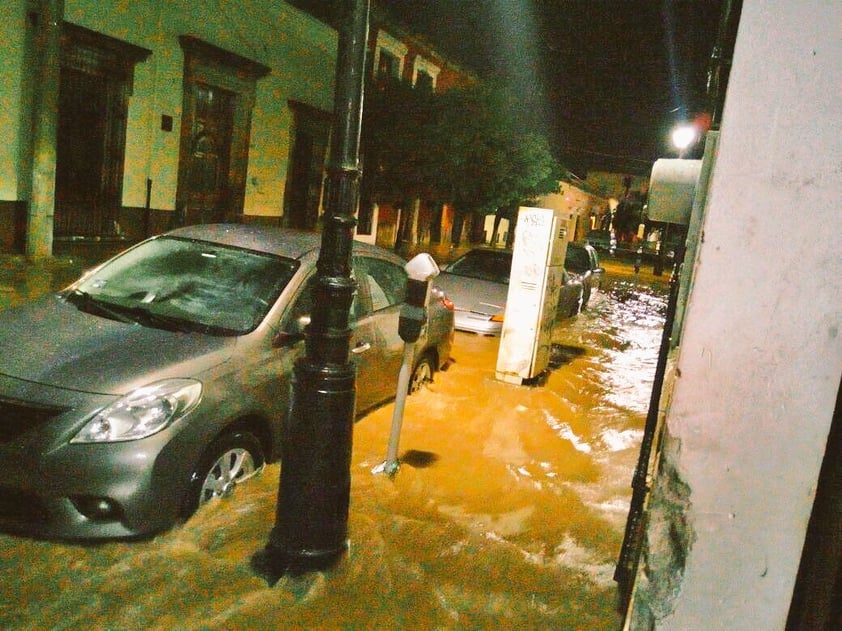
[[22, 279], [508, 510]]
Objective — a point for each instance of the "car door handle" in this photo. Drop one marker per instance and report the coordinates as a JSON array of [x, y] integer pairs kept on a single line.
[[362, 347]]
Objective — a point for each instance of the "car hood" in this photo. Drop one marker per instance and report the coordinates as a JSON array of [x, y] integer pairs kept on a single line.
[[51, 342], [473, 294]]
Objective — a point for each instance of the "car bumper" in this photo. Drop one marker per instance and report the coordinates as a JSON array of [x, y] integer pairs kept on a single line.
[[51, 488], [479, 323]]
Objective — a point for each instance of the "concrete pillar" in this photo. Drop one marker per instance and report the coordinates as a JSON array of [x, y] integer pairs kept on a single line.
[[758, 368], [413, 232], [39, 224]]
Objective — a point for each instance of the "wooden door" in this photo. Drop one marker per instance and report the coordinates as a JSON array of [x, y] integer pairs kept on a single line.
[[95, 82], [206, 192], [219, 93], [81, 205]]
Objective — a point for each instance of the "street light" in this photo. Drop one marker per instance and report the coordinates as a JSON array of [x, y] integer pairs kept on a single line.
[[683, 137], [311, 517]]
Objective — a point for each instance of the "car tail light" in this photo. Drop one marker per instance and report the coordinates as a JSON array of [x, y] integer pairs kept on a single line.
[[447, 302], [497, 317]]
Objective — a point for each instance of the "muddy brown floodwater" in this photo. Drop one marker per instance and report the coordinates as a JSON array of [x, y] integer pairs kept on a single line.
[[508, 510]]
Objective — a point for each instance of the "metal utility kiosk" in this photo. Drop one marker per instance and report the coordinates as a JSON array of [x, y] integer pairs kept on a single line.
[[534, 285]]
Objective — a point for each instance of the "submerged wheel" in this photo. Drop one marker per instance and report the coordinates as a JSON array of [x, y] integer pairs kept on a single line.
[[230, 460], [579, 304], [586, 298], [422, 374]]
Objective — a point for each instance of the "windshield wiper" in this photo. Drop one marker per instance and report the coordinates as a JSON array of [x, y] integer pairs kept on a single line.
[[128, 315], [84, 301], [157, 320]]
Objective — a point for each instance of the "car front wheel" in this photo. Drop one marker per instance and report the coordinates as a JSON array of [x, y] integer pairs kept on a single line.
[[230, 460], [422, 374]]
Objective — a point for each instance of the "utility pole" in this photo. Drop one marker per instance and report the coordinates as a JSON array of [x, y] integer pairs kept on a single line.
[[719, 68], [311, 520]]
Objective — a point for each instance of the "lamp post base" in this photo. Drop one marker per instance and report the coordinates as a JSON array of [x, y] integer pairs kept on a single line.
[[274, 562]]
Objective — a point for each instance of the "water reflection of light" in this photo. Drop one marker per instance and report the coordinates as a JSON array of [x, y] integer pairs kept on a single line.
[[617, 440], [630, 319], [565, 431], [519, 473], [548, 469], [631, 384], [570, 554]]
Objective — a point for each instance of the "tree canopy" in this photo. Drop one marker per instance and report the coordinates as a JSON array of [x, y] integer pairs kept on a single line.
[[468, 147]]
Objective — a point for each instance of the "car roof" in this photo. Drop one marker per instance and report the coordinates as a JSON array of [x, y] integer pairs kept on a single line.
[[488, 250], [285, 242]]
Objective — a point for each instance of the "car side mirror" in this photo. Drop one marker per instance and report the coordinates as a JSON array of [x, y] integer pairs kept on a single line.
[[293, 335]]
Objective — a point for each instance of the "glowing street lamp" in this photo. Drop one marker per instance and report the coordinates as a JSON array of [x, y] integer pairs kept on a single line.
[[683, 137]]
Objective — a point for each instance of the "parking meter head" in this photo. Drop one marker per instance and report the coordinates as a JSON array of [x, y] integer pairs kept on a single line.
[[422, 267]]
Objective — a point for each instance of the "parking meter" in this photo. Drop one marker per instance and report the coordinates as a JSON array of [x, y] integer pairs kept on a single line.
[[422, 269]]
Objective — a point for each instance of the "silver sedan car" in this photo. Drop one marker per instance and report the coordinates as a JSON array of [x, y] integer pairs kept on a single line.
[[478, 284], [161, 379]]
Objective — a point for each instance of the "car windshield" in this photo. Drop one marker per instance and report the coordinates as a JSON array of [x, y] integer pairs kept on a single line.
[[186, 285], [484, 265], [577, 259]]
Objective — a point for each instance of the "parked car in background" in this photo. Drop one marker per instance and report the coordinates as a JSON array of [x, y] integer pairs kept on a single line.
[[582, 261], [602, 240], [160, 380], [478, 284]]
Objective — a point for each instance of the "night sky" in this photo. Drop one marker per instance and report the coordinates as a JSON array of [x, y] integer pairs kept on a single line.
[[607, 79]]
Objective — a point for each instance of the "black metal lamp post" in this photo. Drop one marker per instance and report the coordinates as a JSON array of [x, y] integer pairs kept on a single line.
[[311, 522]]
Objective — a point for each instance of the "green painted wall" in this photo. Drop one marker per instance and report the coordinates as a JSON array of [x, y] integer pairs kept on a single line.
[[12, 97]]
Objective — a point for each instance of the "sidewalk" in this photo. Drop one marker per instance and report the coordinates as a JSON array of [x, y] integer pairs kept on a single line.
[[23, 279]]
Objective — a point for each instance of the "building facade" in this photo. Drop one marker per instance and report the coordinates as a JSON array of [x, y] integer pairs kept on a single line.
[[396, 54], [743, 525], [163, 114], [124, 119]]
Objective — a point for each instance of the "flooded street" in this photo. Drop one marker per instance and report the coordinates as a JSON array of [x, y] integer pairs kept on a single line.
[[508, 510]]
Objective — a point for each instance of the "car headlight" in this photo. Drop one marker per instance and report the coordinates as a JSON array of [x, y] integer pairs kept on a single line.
[[141, 413]]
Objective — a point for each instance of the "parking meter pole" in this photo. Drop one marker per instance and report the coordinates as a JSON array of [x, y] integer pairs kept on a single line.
[[413, 318], [311, 520], [391, 464]]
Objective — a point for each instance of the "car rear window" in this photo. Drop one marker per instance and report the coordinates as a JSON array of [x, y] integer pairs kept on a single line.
[[484, 265], [577, 260]]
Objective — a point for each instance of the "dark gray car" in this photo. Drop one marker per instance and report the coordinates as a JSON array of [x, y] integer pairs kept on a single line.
[[160, 379], [582, 261]]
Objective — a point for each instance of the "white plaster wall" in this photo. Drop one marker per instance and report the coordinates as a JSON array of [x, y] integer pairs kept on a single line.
[[761, 351], [573, 200]]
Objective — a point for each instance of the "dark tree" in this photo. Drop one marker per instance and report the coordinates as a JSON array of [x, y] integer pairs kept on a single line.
[[465, 147]]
